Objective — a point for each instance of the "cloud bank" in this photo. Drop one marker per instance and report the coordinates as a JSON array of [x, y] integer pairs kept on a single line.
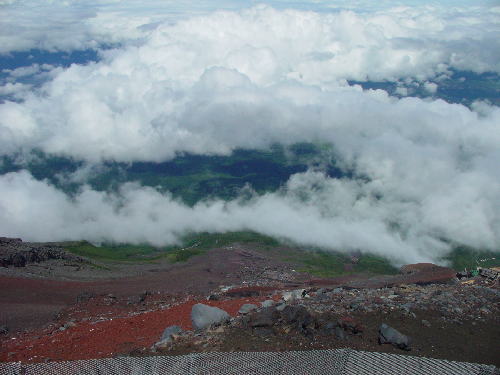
[[312, 210], [425, 170], [211, 83]]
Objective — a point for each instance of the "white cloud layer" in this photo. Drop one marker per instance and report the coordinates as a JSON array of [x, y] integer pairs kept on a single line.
[[218, 81], [210, 83], [312, 210]]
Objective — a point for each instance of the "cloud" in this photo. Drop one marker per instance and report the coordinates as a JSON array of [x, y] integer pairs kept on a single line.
[[341, 39], [425, 170], [349, 220], [14, 90], [430, 87], [82, 24]]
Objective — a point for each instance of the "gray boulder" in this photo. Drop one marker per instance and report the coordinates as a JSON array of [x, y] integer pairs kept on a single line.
[[298, 317], [388, 335], [294, 295], [281, 306], [246, 308], [268, 303], [203, 316], [166, 338], [169, 331], [266, 317]]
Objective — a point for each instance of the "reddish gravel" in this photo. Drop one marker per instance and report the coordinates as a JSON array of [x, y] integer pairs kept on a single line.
[[88, 340]]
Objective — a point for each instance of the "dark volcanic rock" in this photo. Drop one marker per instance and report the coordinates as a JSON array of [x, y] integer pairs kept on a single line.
[[4, 330], [339, 333], [84, 297], [18, 260], [15, 252], [8, 240], [388, 335], [350, 325], [298, 316], [266, 317]]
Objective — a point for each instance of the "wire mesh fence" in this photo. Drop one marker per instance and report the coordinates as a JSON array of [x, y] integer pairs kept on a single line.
[[13, 368], [338, 361]]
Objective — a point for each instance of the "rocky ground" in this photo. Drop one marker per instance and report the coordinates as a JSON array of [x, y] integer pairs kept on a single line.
[[16, 253], [433, 313]]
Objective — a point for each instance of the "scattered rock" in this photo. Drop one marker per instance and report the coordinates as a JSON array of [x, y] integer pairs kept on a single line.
[[350, 325], [219, 329], [266, 317], [389, 335], [4, 330], [203, 316], [268, 303], [84, 297], [339, 333], [169, 331], [294, 295], [135, 300], [484, 310], [246, 308], [489, 273], [298, 316], [69, 325], [327, 327], [426, 323], [15, 252], [18, 260], [287, 296], [281, 307]]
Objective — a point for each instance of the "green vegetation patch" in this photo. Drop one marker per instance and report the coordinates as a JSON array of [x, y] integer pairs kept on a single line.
[[183, 255], [211, 240], [199, 243], [369, 263], [193, 244], [332, 264], [114, 252], [322, 264], [316, 262], [463, 257]]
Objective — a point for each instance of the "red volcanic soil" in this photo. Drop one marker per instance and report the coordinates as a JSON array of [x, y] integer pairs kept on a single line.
[[108, 338], [27, 303], [116, 319], [106, 318]]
